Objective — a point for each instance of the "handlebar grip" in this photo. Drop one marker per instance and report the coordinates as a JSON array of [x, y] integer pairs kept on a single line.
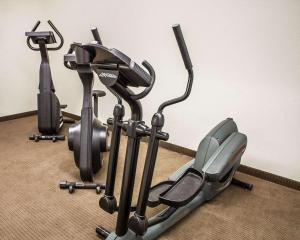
[[96, 35], [70, 61], [58, 34], [36, 26], [147, 89], [182, 46]]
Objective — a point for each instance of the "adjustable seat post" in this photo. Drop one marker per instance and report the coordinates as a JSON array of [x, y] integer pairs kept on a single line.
[[96, 94], [95, 105]]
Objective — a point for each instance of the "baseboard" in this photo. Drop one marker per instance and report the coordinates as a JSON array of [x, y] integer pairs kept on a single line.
[[270, 177], [34, 112], [18, 115], [186, 151], [71, 115]]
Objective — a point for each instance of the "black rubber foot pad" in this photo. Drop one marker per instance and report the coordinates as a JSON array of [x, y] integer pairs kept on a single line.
[[184, 189], [156, 190]]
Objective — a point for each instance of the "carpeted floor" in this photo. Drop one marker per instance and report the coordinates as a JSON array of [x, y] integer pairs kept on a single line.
[[33, 207]]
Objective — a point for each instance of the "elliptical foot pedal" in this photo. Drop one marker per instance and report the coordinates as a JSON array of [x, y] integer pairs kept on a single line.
[[54, 138], [155, 191], [71, 186], [184, 189]]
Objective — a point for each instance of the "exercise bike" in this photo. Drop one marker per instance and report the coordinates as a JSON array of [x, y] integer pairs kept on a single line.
[[50, 119], [88, 137]]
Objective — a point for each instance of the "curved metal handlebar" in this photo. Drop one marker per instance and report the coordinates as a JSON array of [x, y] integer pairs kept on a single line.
[[58, 34], [36, 26], [28, 38], [31, 47], [188, 65], [182, 46], [147, 89], [116, 95], [55, 30], [181, 98], [96, 35]]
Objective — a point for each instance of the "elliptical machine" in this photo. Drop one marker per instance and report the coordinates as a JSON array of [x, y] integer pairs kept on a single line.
[[50, 119], [218, 156], [88, 137]]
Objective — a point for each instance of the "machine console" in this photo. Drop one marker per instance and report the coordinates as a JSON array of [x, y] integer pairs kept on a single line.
[[111, 65]]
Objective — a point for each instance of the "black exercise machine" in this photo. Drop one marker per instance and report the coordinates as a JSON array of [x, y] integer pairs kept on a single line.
[[88, 137], [50, 118], [200, 180]]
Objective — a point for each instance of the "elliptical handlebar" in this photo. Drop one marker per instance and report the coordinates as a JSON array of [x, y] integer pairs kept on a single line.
[[147, 89], [55, 30], [188, 65], [96, 35], [182, 47]]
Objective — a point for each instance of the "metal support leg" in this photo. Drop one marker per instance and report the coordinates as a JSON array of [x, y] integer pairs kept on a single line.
[[242, 184]]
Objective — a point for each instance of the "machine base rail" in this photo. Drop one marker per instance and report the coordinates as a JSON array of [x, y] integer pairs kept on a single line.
[[71, 186], [54, 138], [102, 232], [247, 186]]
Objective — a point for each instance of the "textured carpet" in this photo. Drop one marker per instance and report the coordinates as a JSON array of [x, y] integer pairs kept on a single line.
[[33, 207]]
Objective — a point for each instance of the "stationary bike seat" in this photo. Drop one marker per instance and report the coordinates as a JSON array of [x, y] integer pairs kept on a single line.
[[98, 93], [48, 36]]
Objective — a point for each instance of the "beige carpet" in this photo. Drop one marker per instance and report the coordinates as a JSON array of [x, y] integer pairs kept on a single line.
[[33, 207]]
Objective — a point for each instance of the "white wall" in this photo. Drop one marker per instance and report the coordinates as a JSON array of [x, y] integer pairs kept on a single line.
[[18, 78], [246, 57]]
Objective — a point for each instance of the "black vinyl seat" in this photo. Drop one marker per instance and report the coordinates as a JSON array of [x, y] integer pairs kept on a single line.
[[47, 36], [98, 93]]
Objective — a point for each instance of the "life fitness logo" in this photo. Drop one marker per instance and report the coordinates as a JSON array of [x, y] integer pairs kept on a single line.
[[107, 75]]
